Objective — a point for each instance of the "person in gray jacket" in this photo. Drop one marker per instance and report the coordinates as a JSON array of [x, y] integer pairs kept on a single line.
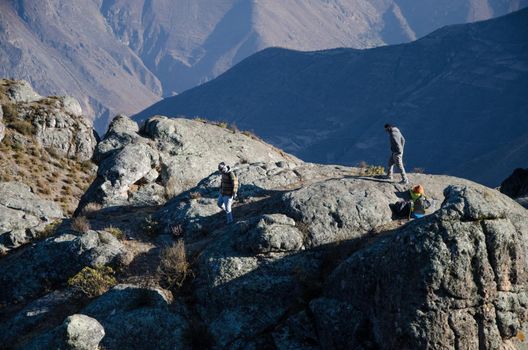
[[397, 142]]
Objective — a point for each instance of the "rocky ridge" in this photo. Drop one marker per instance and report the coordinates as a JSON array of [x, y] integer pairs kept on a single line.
[[313, 261], [46, 146]]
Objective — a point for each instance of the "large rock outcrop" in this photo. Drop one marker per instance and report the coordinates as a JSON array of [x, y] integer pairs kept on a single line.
[[52, 261], [21, 91], [313, 261], [55, 122], [457, 279], [135, 317], [254, 273], [23, 215], [166, 157], [46, 143]]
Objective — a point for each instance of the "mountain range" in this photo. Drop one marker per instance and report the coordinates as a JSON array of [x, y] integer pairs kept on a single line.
[[121, 56], [458, 95]]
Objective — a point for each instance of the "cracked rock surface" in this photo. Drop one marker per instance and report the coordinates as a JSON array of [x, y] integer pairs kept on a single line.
[[166, 157], [457, 279], [23, 215]]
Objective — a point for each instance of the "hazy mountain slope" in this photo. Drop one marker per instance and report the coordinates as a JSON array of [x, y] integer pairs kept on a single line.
[[458, 94], [186, 42], [121, 55], [66, 48]]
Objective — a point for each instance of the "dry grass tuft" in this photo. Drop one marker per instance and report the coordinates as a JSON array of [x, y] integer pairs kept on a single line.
[[91, 209], [195, 195], [174, 267], [177, 231], [80, 224], [115, 231]]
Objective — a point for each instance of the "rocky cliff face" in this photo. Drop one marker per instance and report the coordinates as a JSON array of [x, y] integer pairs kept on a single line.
[[45, 151], [447, 92], [314, 259]]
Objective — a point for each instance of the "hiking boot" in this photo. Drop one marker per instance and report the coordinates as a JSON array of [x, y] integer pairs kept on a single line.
[[388, 177], [404, 182]]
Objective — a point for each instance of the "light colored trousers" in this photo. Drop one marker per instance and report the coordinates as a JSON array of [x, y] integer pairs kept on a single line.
[[225, 203], [396, 159]]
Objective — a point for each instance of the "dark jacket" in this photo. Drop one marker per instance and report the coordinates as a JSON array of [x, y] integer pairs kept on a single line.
[[419, 203], [397, 140], [229, 184]]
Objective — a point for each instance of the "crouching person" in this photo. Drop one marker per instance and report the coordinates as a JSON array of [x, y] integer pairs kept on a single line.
[[419, 203], [415, 207], [228, 190]]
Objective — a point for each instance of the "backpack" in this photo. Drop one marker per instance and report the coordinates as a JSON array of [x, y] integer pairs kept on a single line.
[[402, 209]]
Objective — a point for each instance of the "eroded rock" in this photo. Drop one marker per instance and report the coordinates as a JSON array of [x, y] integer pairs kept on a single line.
[[23, 215], [21, 91], [182, 152], [455, 279], [52, 261], [136, 317]]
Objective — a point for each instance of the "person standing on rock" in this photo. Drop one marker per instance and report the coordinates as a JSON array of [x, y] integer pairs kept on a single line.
[[228, 190], [397, 142]]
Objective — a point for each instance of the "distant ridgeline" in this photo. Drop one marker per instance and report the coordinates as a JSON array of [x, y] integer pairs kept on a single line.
[[138, 51], [459, 95]]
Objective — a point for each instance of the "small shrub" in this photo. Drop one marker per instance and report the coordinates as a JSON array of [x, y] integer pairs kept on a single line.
[[45, 190], [419, 170], [171, 188], [5, 178], [115, 231], [233, 127], [93, 282], [177, 231], [66, 191], [195, 195], [91, 209], [202, 120], [150, 226], [10, 112], [250, 134], [53, 153], [22, 126], [222, 125], [174, 267], [374, 170], [362, 164], [80, 224], [521, 336], [86, 166], [49, 230]]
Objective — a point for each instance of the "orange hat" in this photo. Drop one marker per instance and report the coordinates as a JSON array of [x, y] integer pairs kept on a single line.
[[418, 189]]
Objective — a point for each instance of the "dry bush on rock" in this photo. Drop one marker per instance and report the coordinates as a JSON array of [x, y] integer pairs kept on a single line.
[[115, 231], [80, 224], [174, 267]]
